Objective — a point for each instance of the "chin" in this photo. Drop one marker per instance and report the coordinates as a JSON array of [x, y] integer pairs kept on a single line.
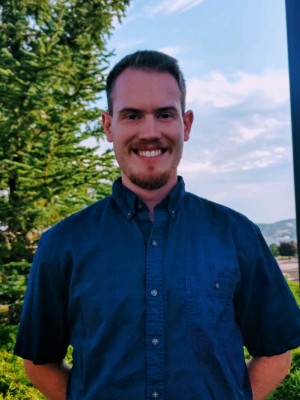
[[153, 182]]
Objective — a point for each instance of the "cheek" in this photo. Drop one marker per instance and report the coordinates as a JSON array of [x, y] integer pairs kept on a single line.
[[120, 149]]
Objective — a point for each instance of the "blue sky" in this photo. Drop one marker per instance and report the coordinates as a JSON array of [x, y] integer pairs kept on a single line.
[[234, 57]]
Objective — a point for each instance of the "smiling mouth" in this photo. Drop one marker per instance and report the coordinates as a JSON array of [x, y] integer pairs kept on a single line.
[[150, 153]]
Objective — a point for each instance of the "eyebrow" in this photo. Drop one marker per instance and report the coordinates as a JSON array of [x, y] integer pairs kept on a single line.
[[138, 110], [168, 108], [129, 109]]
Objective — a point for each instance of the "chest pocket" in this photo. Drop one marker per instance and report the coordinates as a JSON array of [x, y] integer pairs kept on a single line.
[[210, 313]]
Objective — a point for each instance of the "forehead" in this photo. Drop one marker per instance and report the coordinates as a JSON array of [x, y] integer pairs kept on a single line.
[[139, 88]]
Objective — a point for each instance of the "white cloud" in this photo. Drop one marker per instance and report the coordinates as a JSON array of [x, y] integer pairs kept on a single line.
[[246, 133], [219, 91], [171, 51], [218, 161], [129, 45], [262, 200], [194, 168], [259, 125], [263, 158], [172, 6]]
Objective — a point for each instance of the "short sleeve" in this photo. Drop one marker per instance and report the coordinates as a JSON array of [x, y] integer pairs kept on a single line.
[[43, 332], [266, 310]]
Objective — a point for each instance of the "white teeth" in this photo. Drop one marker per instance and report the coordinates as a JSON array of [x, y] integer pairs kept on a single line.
[[150, 153]]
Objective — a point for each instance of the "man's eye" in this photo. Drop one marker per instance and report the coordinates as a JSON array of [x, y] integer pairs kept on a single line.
[[131, 116], [165, 115]]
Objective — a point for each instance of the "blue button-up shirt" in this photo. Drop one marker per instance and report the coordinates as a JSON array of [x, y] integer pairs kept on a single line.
[[156, 311]]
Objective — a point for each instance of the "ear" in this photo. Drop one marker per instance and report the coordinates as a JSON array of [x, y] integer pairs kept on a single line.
[[188, 118], [106, 124]]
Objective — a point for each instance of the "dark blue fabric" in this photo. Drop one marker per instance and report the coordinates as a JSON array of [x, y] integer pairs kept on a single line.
[[156, 311]]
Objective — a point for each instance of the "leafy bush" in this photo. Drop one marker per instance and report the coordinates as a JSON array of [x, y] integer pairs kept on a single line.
[[13, 279], [295, 288], [8, 337], [14, 383], [289, 389]]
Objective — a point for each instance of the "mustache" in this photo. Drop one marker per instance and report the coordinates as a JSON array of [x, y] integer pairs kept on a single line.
[[148, 143]]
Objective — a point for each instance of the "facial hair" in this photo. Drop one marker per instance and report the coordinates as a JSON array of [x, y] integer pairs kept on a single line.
[[150, 182]]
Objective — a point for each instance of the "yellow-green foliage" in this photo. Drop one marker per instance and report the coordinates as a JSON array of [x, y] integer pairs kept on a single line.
[[290, 387], [13, 381], [296, 290]]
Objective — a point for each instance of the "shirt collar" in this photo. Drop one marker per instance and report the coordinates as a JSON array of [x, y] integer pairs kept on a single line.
[[127, 201]]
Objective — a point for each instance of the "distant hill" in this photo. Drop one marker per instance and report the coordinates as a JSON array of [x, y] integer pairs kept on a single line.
[[279, 231]]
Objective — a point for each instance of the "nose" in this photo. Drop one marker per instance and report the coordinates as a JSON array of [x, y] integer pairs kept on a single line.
[[149, 128]]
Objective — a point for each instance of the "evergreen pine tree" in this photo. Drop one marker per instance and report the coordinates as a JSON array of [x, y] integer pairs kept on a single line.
[[53, 62]]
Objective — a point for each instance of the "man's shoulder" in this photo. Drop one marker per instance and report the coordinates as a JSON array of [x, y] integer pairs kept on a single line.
[[213, 207], [82, 219], [221, 220], [211, 212]]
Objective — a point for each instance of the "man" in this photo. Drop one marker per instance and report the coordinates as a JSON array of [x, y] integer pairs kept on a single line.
[[156, 289]]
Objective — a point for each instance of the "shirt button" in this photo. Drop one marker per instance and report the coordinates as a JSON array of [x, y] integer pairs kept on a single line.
[[173, 212], [155, 395], [217, 285], [129, 214], [154, 243], [155, 341], [154, 292]]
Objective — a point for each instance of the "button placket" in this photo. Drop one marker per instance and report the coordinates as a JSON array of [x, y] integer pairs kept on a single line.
[[154, 310]]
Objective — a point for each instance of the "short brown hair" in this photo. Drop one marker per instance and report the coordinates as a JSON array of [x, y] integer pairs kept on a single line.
[[146, 60]]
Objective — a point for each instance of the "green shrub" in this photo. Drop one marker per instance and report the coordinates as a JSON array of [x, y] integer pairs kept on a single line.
[[295, 288], [14, 383], [289, 389], [13, 279], [8, 337]]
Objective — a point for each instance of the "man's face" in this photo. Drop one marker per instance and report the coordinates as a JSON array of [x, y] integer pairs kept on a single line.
[[147, 128]]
